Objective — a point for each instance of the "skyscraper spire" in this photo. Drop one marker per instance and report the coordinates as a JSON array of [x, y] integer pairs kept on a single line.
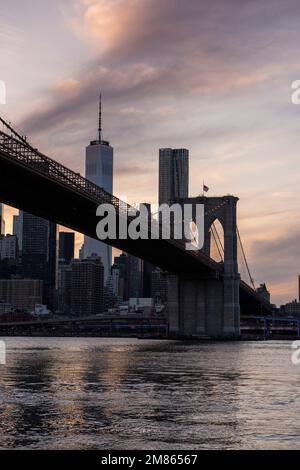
[[99, 139], [100, 120]]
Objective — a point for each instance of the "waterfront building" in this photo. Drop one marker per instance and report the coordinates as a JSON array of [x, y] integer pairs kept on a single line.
[[87, 286], [21, 294], [291, 309]]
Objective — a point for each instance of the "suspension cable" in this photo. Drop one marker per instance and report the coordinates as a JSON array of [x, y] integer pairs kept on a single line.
[[213, 230], [219, 239], [244, 257]]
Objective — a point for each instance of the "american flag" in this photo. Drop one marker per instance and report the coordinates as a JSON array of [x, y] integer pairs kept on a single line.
[[205, 188]]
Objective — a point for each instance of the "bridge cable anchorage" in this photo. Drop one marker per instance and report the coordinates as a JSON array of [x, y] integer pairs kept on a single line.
[[245, 259]]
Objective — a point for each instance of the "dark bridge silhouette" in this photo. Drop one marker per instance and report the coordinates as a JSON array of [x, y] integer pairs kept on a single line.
[[33, 182]]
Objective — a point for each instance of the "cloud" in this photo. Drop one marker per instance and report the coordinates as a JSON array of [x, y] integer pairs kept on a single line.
[[134, 29], [146, 52], [68, 85]]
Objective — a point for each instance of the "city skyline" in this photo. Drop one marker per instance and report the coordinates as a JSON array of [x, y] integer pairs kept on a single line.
[[228, 103]]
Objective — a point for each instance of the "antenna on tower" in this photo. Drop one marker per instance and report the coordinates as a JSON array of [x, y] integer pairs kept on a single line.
[[100, 120]]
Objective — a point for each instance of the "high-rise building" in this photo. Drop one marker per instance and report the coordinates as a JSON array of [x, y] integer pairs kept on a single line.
[[9, 257], [263, 292], [64, 287], [134, 277], [66, 246], [2, 223], [173, 185], [119, 276], [173, 174], [99, 170], [81, 252], [117, 287], [159, 286], [87, 286], [110, 299], [147, 270], [39, 253], [127, 277], [18, 228], [8, 247]]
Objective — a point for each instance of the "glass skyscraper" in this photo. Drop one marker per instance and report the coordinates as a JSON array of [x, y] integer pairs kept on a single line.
[[66, 246], [39, 253], [99, 169]]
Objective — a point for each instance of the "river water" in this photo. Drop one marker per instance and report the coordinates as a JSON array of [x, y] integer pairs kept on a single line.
[[60, 393]]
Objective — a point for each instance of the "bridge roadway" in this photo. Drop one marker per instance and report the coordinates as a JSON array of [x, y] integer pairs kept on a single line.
[[33, 182], [44, 188]]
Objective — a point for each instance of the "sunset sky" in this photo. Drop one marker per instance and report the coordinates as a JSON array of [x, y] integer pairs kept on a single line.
[[211, 76]]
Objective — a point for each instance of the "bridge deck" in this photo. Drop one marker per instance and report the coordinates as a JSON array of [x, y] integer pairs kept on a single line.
[[37, 184]]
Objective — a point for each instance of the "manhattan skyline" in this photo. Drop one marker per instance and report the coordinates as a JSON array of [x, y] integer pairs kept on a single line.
[[220, 89]]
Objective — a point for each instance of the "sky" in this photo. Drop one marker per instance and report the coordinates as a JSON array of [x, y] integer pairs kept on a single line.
[[211, 76]]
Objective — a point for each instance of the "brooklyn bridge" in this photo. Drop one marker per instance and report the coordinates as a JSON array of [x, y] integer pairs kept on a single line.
[[205, 297]]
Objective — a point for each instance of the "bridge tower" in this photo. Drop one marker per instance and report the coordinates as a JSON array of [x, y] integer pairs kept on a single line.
[[209, 305]]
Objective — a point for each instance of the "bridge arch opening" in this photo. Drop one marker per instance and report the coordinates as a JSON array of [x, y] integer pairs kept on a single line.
[[216, 238]]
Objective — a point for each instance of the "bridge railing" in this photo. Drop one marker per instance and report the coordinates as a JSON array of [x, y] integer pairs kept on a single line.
[[40, 163]]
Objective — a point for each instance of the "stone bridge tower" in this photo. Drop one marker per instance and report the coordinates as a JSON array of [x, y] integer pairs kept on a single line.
[[209, 306]]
